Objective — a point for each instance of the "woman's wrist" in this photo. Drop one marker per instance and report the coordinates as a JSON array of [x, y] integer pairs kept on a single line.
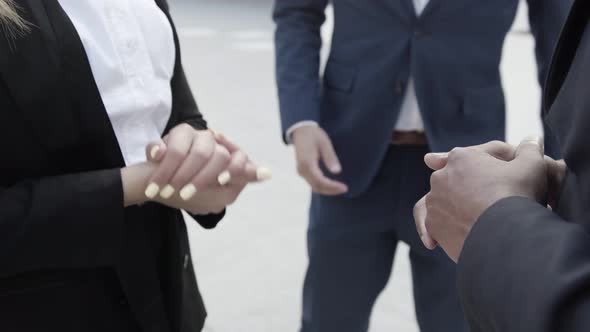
[[134, 179]]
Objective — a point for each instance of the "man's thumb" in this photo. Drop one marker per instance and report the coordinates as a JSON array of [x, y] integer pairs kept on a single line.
[[531, 148]]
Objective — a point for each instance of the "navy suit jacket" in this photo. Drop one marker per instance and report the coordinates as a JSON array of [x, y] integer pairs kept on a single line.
[[452, 51]]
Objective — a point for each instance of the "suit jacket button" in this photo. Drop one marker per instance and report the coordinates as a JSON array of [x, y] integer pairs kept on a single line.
[[399, 87], [418, 32]]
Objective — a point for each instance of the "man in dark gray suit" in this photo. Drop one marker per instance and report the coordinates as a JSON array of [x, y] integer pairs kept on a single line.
[[404, 77], [523, 267]]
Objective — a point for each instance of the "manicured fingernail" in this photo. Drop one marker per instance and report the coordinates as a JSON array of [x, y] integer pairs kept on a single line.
[[154, 151], [152, 190], [224, 178], [167, 192], [188, 192], [335, 168], [219, 136], [440, 154], [263, 174]]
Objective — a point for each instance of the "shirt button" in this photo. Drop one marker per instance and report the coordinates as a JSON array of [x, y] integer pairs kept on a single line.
[[186, 261], [139, 81], [131, 46]]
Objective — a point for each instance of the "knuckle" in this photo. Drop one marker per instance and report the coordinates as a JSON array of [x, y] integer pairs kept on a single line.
[[225, 159], [436, 179], [497, 143], [303, 168], [180, 128], [185, 126], [223, 154], [314, 184], [457, 154], [232, 198], [175, 153], [201, 153], [205, 135], [499, 146], [237, 169]]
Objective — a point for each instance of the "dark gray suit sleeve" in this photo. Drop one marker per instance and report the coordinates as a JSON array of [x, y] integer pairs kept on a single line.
[[523, 268], [298, 44], [547, 18]]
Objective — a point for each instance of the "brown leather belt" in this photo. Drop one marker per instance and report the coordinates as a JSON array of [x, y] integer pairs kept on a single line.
[[409, 138]]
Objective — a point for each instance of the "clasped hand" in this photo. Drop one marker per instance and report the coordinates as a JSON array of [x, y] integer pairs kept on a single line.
[[467, 181], [199, 171]]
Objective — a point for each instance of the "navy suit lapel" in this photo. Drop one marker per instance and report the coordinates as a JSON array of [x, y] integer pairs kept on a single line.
[[430, 7], [403, 9], [407, 6]]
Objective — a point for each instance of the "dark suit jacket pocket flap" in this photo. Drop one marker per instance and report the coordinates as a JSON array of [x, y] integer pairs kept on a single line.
[[488, 99], [339, 77]]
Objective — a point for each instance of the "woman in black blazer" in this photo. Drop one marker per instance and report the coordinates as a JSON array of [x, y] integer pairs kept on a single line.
[[91, 239]]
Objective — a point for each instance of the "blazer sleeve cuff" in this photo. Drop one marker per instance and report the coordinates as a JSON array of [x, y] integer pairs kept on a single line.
[[298, 110], [209, 221]]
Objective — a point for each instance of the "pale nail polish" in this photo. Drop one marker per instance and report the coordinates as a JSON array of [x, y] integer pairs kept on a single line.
[[152, 190], [188, 192], [154, 151], [440, 154], [219, 136], [167, 192], [263, 174], [224, 178]]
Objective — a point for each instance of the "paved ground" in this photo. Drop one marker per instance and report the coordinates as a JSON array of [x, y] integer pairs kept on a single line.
[[251, 268]]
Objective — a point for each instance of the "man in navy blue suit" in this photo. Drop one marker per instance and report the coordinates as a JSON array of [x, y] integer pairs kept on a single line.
[[404, 77]]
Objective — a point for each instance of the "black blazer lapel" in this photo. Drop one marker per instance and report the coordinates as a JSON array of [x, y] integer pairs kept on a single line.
[[85, 103], [32, 71]]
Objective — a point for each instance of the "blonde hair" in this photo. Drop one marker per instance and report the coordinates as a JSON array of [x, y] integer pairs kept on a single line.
[[10, 21]]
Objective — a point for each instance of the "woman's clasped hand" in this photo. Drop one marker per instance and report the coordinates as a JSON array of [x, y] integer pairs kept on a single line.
[[199, 171]]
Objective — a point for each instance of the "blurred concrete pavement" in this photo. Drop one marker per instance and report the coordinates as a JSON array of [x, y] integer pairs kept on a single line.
[[250, 269]]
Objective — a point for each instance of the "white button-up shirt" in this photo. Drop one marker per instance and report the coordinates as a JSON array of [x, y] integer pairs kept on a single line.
[[130, 47], [410, 118]]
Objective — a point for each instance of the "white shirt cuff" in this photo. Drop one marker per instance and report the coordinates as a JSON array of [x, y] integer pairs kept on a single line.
[[299, 124]]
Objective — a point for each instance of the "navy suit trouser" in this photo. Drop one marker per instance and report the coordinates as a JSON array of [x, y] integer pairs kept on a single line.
[[351, 246]]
